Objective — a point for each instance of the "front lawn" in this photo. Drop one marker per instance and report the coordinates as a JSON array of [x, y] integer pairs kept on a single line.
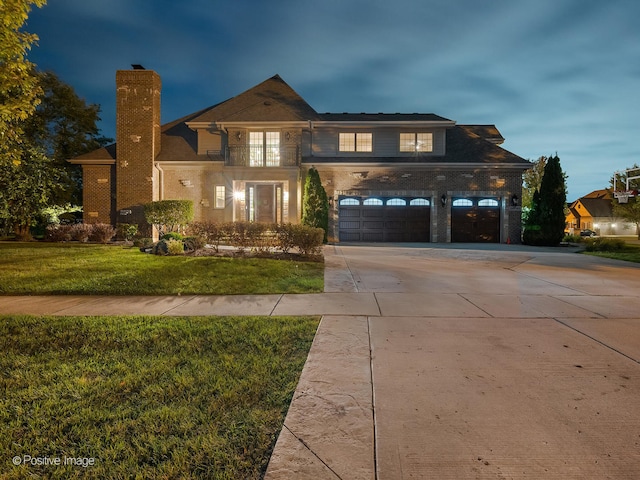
[[628, 251], [46, 268], [146, 397]]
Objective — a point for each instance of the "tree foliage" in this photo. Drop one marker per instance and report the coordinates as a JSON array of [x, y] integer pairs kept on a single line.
[[315, 205], [545, 222], [19, 87], [28, 187], [169, 215], [629, 211], [64, 126], [531, 180]]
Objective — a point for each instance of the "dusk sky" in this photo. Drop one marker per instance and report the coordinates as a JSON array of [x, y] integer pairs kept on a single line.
[[553, 75]]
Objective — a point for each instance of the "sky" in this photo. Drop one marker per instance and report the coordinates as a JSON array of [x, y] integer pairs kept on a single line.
[[555, 76]]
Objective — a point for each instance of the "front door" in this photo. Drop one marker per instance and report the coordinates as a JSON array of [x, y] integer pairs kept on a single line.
[[265, 202]]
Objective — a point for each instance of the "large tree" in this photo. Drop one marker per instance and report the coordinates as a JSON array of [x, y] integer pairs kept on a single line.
[[64, 126], [629, 210], [531, 181], [19, 86], [545, 222]]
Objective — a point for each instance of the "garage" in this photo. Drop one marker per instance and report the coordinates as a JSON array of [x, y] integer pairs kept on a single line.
[[475, 220], [384, 219]]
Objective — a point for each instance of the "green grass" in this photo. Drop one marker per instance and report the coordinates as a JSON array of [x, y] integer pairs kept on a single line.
[[629, 252], [45, 268], [147, 397]]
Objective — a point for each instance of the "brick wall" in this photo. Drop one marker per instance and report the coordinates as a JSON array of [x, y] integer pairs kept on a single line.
[[138, 142], [99, 190], [430, 183]]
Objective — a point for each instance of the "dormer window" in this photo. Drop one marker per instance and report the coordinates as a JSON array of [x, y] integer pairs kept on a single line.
[[356, 142], [416, 142]]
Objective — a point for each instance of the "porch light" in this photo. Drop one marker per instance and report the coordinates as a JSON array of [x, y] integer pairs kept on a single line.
[[238, 195], [514, 200], [443, 199]]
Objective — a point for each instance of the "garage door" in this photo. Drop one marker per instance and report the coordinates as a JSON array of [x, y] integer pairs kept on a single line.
[[384, 219], [475, 219]]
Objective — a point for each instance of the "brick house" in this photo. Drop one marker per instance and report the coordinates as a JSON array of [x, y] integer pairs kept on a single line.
[[389, 177]]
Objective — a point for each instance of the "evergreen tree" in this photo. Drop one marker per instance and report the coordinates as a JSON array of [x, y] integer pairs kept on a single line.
[[545, 222], [315, 205]]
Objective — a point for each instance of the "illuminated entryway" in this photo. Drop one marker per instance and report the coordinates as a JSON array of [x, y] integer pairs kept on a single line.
[[263, 202]]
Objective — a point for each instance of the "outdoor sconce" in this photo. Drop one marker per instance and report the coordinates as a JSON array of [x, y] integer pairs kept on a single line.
[[239, 136], [443, 199], [514, 200]]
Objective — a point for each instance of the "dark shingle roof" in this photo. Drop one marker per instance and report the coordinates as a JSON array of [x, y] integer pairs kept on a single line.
[[271, 101], [597, 207], [462, 146], [382, 117]]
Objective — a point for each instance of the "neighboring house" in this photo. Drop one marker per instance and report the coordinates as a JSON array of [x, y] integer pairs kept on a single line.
[[389, 177], [594, 212]]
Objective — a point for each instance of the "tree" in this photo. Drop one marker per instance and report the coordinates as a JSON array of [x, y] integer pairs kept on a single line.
[[531, 181], [28, 188], [64, 126], [545, 222], [315, 205], [630, 211], [169, 215], [19, 87]]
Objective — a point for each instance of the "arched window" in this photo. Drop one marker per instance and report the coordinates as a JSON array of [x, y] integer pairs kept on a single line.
[[462, 202], [349, 201], [488, 202], [419, 202], [397, 201], [372, 201]]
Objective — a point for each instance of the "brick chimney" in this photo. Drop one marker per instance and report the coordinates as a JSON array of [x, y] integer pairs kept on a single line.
[[137, 143]]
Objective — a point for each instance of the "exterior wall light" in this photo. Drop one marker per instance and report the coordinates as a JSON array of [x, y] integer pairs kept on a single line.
[[514, 200], [443, 199]]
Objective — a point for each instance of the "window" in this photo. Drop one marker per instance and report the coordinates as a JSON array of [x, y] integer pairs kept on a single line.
[[488, 202], [264, 145], [462, 202], [349, 201], [397, 201], [419, 202], [372, 201], [220, 197], [356, 142], [416, 142]]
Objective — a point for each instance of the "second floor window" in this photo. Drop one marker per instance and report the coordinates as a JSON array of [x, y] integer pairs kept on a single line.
[[356, 142], [264, 149], [416, 142]]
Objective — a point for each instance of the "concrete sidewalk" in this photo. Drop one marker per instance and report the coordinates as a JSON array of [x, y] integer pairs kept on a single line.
[[461, 362]]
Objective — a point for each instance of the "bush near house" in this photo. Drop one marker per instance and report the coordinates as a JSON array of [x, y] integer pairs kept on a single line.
[[169, 215]]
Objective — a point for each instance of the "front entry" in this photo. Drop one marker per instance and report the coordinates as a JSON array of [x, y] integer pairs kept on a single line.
[[264, 202]]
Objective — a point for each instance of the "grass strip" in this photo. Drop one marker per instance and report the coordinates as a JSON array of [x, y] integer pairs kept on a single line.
[[41, 268], [147, 397]]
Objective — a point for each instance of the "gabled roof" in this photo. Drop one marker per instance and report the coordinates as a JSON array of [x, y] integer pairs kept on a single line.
[[595, 207], [271, 101], [382, 117]]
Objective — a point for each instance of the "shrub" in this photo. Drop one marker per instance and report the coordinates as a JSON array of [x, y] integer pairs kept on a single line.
[[171, 236], [285, 236], [604, 244], [572, 239], [194, 243], [127, 231], [143, 242], [102, 232], [175, 247], [169, 215], [315, 205], [308, 240], [80, 232], [211, 232], [58, 233]]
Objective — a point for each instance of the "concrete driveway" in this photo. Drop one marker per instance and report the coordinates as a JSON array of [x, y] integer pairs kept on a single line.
[[497, 361]]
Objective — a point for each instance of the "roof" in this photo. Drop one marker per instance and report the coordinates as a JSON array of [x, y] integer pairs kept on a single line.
[[382, 117], [463, 146], [595, 207], [270, 101]]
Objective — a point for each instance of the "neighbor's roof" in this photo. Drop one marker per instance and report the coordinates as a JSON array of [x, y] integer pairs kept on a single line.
[[596, 207]]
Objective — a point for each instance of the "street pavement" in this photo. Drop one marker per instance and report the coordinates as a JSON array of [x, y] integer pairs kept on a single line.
[[446, 361]]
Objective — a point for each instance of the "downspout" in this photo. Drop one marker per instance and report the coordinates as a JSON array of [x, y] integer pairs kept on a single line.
[[160, 181]]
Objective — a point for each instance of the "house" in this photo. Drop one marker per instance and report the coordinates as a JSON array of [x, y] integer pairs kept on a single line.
[[398, 177], [594, 212]]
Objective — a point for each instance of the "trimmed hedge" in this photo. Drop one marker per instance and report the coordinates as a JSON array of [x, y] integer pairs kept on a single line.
[[260, 237]]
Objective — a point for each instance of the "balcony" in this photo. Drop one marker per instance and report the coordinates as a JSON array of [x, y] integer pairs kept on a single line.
[[258, 156]]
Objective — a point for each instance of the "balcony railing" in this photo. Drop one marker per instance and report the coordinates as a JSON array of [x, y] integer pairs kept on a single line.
[[250, 156]]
